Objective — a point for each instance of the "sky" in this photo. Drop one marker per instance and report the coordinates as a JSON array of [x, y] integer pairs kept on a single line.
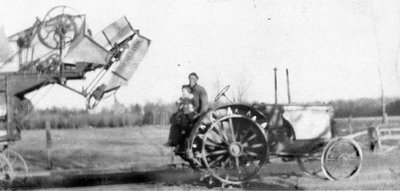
[[333, 49]]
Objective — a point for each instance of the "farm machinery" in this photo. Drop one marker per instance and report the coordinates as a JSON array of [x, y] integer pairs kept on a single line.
[[55, 50], [231, 143]]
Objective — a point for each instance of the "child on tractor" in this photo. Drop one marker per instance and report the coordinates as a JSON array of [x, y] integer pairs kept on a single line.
[[183, 119]]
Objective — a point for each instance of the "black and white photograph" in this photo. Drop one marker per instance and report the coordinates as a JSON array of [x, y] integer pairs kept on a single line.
[[199, 95]]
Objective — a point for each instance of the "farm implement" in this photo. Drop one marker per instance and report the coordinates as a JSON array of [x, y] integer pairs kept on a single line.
[[55, 50]]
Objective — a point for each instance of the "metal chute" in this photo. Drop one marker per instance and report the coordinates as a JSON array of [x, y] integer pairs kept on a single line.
[[127, 48], [122, 70], [129, 62], [114, 33], [86, 50]]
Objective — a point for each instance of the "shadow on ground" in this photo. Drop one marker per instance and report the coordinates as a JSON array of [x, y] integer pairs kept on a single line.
[[166, 177]]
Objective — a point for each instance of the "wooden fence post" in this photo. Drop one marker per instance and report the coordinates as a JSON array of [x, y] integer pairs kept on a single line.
[[374, 138], [49, 145], [154, 118], [350, 126]]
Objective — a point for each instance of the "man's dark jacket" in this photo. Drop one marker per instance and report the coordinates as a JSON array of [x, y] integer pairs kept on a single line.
[[200, 95]]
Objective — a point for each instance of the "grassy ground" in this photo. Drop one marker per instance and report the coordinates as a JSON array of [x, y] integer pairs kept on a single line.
[[136, 147]]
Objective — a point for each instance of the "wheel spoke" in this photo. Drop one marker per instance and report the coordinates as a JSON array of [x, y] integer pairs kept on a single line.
[[217, 152], [256, 145], [232, 130], [227, 160], [238, 167], [217, 131], [216, 160], [212, 143], [252, 153], [250, 138], [221, 133], [244, 136], [201, 136]]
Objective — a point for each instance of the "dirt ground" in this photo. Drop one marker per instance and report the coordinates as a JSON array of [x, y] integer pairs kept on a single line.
[[139, 149], [377, 174]]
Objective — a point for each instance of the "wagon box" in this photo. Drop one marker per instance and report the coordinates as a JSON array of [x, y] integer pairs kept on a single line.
[[310, 121]]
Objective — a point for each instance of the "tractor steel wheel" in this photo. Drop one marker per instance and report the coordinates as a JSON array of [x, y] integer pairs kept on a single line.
[[234, 149], [341, 159]]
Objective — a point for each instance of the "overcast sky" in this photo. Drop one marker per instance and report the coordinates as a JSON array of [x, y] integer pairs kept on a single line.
[[332, 48]]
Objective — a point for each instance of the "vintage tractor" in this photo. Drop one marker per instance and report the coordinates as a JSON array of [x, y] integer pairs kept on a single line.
[[54, 50], [233, 142]]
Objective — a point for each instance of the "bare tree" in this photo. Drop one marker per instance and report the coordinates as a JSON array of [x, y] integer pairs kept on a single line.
[[241, 88]]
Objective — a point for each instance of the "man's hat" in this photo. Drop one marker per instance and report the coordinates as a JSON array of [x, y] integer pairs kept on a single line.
[[194, 74]]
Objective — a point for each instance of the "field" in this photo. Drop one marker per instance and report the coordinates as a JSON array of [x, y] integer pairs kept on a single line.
[[140, 149], [105, 148]]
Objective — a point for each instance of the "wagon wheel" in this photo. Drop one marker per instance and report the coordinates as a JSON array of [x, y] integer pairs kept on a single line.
[[234, 149], [341, 159], [6, 170], [17, 162]]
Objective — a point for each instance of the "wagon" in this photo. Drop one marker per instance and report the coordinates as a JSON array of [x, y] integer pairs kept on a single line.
[[233, 142]]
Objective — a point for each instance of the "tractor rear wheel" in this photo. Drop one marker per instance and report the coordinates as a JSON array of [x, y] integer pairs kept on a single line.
[[234, 148]]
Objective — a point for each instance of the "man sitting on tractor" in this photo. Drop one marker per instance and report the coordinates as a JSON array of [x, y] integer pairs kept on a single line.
[[199, 93], [195, 101]]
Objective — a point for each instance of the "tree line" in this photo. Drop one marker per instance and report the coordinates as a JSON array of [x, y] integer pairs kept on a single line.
[[159, 114], [122, 116], [365, 107]]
